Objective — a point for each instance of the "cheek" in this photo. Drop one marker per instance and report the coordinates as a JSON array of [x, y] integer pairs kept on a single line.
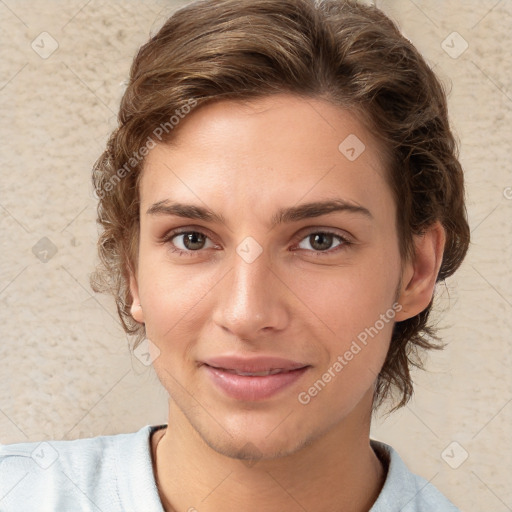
[[351, 298], [174, 300], [359, 314]]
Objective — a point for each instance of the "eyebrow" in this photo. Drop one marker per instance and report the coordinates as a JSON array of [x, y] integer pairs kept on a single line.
[[284, 215]]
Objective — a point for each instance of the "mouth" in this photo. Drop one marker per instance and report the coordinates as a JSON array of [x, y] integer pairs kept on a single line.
[[261, 364], [254, 380], [264, 373]]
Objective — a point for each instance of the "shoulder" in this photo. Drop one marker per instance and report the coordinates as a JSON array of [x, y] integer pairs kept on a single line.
[[404, 490], [82, 474]]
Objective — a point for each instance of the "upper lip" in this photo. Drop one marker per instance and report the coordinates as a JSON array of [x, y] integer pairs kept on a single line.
[[253, 364]]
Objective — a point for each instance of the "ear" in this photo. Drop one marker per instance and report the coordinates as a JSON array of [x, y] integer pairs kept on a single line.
[[136, 308], [419, 275]]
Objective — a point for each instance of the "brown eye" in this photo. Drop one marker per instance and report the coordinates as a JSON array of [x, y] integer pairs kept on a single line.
[[194, 241], [189, 241], [322, 241]]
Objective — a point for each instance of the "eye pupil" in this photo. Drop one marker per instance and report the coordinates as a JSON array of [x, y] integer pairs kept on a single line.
[[321, 241], [193, 240]]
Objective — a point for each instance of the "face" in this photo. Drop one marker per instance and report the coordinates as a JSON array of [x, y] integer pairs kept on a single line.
[[262, 237]]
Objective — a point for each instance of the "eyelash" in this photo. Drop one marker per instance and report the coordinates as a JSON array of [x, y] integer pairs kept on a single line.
[[344, 242]]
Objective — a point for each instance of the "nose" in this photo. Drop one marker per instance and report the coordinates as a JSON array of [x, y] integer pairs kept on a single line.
[[252, 300]]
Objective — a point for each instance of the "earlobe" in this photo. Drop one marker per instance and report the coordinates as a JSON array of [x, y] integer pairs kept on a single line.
[[420, 274], [136, 307], [137, 313]]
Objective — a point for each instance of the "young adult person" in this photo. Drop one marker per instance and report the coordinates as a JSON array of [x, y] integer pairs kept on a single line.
[[278, 202]]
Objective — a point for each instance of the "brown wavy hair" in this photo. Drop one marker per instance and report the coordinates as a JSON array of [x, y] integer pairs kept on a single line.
[[341, 51]]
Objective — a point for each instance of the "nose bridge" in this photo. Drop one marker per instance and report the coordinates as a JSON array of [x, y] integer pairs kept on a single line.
[[251, 300]]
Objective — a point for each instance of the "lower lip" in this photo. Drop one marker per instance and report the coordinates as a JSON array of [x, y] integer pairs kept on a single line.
[[243, 387]]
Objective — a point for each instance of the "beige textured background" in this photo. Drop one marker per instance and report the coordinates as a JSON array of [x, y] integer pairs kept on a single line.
[[66, 371]]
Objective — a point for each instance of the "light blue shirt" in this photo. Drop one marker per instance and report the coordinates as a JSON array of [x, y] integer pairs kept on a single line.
[[115, 474]]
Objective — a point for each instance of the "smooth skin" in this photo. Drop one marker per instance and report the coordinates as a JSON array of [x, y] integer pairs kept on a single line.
[[318, 282]]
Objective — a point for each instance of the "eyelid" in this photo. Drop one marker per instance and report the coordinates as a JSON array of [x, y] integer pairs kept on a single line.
[[345, 238], [343, 235], [171, 233], [344, 244], [167, 239]]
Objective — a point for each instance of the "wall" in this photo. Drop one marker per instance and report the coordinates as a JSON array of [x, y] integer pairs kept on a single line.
[[66, 369]]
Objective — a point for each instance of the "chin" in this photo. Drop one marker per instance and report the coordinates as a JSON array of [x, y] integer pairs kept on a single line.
[[254, 438], [252, 449]]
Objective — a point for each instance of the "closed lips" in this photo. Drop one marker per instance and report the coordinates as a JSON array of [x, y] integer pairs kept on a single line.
[[264, 373], [253, 366], [251, 379]]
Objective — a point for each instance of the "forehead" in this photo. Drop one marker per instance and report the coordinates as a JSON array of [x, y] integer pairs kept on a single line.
[[275, 148]]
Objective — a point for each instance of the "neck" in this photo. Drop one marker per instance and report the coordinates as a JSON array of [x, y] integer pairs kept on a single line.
[[337, 471]]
